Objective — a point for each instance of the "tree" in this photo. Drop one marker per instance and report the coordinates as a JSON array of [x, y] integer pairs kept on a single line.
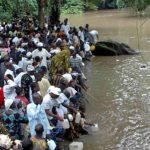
[[41, 12], [73, 6], [55, 10], [138, 5]]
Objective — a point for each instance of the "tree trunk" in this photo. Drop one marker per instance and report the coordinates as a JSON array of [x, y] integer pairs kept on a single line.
[[41, 12], [55, 11]]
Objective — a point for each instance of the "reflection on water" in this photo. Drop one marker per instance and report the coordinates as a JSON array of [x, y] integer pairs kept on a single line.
[[120, 85]]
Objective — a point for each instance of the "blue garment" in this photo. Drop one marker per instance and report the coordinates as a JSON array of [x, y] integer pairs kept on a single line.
[[36, 115], [55, 132]]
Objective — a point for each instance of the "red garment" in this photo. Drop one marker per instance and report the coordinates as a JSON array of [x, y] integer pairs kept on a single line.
[[23, 99], [1, 97]]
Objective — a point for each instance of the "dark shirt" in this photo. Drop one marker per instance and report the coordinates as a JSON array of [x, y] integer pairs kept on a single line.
[[26, 82]]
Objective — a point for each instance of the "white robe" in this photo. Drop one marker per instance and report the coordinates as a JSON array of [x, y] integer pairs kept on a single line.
[[36, 114]]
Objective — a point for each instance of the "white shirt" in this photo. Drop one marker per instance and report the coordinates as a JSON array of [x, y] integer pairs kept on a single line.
[[55, 51], [43, 53], [20, 64], [77, 55], [35, 40], [65, 28], [8, 71], [16, 66], [94, 33], [48, 103], [24, 63], [81, 35], [76, 40], [86, 47], [71, 91], [18, 78], [16, 40], [63, 99], [9, 90]]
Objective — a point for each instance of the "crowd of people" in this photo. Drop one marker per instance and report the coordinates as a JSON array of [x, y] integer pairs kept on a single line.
[[42, 83]]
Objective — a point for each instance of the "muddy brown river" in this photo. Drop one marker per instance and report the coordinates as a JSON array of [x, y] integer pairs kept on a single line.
[[119, 89]]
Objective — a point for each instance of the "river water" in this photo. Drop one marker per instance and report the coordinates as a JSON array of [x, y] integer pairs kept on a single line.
[[119, 88]]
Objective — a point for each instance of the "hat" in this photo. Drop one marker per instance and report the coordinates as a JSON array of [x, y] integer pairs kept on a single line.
[[29, 54], [72, 48], [40, 44], [67, 77], [54, 90], [8, 103], [30, 68]]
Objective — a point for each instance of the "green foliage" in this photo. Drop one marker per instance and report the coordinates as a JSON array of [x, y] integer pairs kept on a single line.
[[95, 2], [73, 7], [5, 16], [121, 4], [5, 11], [20, 7], [90, 6], [23, 7], [33, 7], [138, 5]]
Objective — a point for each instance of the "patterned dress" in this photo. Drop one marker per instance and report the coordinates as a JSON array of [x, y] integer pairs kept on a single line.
[[39, 144], [60, 60], [12, 122]]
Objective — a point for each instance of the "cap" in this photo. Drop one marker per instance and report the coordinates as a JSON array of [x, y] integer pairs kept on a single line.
[[29, 54], [54, 90], [40, 44], [72, 48]]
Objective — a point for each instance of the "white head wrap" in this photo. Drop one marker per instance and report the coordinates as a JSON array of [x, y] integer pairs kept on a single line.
[[29, 54], [54, 90], [72, 48], [40, 44]]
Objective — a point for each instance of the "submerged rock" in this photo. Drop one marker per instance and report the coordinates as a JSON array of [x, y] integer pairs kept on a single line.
[[112, 48]]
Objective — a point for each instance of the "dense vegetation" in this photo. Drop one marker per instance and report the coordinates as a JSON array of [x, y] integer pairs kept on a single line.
[[138, 5], [53, 8]]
